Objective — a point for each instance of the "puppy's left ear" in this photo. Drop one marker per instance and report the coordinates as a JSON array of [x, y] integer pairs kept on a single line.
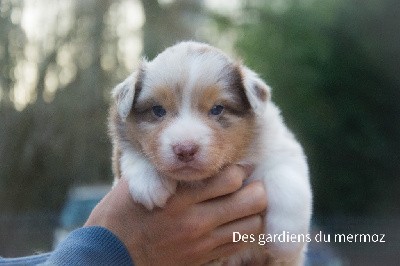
[[258, 93]]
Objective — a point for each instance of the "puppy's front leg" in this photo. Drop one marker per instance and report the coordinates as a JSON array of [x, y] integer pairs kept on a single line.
[[145, 184]]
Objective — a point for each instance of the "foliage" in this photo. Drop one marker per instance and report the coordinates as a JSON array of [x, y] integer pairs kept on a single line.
[[326, 64]]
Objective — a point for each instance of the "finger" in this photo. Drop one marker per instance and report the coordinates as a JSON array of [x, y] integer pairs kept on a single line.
[[224, 251], [227, 181], [223, 237], [247, 201], [228, 244], [251, 226]]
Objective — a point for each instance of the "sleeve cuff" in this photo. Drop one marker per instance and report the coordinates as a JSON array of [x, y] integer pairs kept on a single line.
[[92, 245]]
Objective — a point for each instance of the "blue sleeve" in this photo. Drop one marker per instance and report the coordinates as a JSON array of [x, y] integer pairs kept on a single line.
[[93, 245]]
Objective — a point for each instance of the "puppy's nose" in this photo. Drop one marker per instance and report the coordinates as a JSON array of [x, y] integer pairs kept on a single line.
[[186, 151]]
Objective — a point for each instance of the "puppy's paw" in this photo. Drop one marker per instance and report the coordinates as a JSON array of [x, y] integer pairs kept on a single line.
[[150, 190], [145, 185]]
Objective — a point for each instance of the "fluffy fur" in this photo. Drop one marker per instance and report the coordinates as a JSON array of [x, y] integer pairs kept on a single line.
[[167, 126]]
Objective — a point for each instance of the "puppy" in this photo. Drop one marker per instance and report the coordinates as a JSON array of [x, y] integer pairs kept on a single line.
[[190, 112]]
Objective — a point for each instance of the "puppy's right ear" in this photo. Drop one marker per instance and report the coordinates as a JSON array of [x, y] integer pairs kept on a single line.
[[124, 93]]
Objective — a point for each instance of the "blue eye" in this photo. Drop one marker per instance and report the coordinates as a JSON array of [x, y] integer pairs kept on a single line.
[[159, 111], [216, 110]]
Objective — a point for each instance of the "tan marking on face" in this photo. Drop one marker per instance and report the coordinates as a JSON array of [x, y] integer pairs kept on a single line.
[[146, 135], [231, 95], [236, 127], [231, 143], [232, 132], [145, 128], [205, 99], [168, 98]]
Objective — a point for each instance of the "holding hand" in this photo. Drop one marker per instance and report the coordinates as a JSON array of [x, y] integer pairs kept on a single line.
[[195, 226]]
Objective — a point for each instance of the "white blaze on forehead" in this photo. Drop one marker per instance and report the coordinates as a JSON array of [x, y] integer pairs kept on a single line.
[[187, 65], [185, 128], [204, 70]]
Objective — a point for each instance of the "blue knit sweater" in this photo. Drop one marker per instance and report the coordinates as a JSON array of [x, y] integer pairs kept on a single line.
[[93, 245]]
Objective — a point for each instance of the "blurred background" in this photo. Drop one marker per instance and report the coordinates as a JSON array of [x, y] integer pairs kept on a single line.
[[333, 66]]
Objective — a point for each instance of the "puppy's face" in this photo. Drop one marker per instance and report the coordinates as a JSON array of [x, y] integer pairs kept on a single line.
[[190, 112]]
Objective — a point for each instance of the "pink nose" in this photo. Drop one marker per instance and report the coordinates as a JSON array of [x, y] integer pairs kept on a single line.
[[185, 151]]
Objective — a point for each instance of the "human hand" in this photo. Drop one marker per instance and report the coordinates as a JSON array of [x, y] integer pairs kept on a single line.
[[195, 226]]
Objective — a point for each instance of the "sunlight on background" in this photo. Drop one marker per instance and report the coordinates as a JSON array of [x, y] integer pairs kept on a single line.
[[127, 18], [223, 39], [40, 21], [46, 21], [47, 26], [165, 2], [227, 7], [23, 91]]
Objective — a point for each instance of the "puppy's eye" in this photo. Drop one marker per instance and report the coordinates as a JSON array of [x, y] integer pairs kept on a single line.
[[159, 111], [216, 110]]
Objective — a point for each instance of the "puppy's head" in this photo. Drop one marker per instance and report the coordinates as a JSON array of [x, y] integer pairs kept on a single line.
[[190, 111]]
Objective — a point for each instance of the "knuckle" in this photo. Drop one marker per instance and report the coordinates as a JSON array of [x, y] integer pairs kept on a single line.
[[233, 248], [233, 179], [259, 196], [191, 229], [258, 185], [254, 225], [258, 222], [195, 251], [234, 183]]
